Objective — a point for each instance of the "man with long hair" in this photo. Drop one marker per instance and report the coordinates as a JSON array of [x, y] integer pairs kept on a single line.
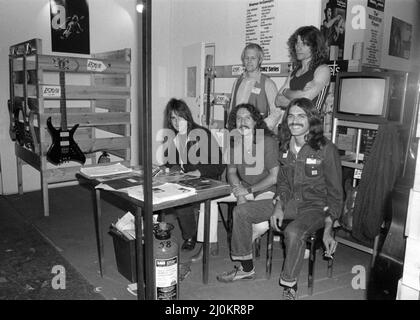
[[310, 77], [252, 168], [256, 88], [309, 187], [190, 136], [309, 192]]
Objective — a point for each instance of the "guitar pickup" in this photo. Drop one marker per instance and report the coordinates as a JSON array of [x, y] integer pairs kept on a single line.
[[64, 143], [64, 134]]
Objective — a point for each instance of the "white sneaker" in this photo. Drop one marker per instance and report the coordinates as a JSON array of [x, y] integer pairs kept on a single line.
[[276, 238], [132, 288]]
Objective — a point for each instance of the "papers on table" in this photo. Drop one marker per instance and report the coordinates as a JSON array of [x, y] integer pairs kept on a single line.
[[102, 171], [162, 192]]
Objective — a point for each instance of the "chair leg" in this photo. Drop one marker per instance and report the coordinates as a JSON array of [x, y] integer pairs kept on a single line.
[[330, 268], [269, 258], [257, 247], [312, 256], [223, 218]]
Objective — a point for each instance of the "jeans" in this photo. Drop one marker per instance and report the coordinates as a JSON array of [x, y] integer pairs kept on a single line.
[[305, 221], [186, 220], [214, 216]]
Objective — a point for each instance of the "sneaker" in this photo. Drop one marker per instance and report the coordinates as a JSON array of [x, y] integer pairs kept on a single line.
[[236, 274], [189, 244], [290, 293]]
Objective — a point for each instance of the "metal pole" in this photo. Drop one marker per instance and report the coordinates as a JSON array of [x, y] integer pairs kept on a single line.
[[145, 120]]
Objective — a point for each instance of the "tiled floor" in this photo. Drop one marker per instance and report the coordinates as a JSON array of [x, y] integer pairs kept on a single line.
[[70, 230]]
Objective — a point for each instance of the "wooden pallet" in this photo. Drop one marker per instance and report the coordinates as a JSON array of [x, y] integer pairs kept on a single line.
[[97, 98]]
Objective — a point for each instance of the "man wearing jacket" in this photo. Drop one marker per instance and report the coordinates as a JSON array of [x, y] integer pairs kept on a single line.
[[309, 192]]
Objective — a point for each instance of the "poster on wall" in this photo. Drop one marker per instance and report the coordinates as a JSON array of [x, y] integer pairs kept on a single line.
[[333, 26], [400, 39], [374, 33], [260, 24], [70, 26], [336, 66]]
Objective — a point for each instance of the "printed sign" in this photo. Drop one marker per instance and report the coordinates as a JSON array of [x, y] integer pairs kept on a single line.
[[337, 66], [51, 91], [261, 22], [374, 32], [272, 68], [95, 65], [237, 70]]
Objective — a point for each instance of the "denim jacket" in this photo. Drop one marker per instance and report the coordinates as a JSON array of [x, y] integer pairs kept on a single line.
[[312, 179]]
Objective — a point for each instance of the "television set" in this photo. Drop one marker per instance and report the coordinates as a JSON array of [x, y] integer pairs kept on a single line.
[[374, 97]]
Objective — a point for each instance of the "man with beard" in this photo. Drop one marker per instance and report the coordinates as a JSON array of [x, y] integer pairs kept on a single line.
[[252, 169], [309, 192]]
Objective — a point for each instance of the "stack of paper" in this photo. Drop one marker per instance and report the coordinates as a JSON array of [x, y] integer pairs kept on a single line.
[[101, 171], [162, 193], [126, 226]]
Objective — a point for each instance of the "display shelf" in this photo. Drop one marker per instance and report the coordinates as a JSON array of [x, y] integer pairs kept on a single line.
[[91, 92]]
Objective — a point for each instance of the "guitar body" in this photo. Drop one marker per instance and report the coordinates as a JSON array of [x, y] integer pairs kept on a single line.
[[13, 128], [63, 147], [19, 130], [388, 267]]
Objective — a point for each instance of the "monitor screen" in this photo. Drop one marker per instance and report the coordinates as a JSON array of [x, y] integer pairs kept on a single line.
[[362, 96]]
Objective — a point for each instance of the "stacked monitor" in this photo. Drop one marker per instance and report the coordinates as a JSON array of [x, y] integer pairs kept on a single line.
[[368, 97]]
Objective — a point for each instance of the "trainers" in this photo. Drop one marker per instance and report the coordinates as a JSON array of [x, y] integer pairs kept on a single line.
[[236, 274], [290, 293]]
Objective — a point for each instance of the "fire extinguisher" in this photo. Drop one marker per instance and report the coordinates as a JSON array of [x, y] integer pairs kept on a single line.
[[166, 262]]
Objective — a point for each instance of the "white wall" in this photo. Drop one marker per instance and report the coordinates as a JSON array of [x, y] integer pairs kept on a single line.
[[112, 27], [179, 23]]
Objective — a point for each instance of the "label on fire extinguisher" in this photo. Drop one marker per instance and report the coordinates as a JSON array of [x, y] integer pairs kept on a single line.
[[166, 278]]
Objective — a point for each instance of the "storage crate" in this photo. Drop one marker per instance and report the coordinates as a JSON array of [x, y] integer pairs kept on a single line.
[[125, 255]]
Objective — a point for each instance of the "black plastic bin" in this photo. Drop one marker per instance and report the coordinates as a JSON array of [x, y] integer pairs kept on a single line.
[[125, 254]]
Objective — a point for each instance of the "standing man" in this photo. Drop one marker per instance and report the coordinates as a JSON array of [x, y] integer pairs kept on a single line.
[[309, 192], [311, 75], [255, 88]]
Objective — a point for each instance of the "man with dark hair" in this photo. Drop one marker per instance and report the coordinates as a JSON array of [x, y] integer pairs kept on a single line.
[[311, 75], [256, 88], [309, 192], [188, 136], [252, 168]]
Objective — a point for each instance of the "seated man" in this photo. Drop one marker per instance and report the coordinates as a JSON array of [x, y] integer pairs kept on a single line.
[[253, 165], [190, 140], [309, 192]]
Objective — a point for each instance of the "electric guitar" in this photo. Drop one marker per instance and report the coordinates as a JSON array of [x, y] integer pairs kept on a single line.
[[63, 147]]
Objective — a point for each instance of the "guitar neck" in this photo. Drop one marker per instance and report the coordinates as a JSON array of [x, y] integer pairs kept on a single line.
[[63, 109]]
